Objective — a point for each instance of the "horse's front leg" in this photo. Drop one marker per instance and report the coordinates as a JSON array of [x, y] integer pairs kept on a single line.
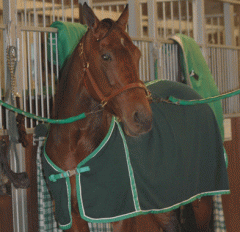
[[78, 224], [127, 225], [203, 212], [150, 222], [142, 223], [168, 221]]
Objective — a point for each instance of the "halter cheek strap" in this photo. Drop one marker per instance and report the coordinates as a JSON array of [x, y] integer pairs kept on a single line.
[[104, 100]]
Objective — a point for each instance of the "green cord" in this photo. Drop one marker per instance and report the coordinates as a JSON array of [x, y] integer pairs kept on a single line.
[[203, 101], [83, 115], [39, 118]]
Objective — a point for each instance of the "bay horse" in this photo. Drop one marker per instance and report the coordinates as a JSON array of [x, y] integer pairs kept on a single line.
[[101, 78]]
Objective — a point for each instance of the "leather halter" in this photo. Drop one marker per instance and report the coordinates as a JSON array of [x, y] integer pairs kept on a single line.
[[105, 99]]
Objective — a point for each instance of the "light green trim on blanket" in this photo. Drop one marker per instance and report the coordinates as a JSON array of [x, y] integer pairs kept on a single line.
[[105, 140], [130, 170]]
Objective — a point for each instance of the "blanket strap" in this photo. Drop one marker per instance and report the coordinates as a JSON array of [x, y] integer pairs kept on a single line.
[[55, 177]]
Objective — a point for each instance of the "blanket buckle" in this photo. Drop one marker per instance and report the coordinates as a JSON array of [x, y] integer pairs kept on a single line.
[[71, 172]]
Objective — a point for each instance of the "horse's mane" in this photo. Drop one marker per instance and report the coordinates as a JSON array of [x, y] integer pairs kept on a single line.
[[62, 83]]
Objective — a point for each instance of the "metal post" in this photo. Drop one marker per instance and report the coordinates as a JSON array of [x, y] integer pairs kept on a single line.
[[17, 162], [199, 24], [229, 37], [152, 32], [134, 18], [229, 23]]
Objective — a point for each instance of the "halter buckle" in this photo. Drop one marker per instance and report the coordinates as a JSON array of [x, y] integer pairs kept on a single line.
[[81, 49], [149, 95], [72, 172], [103, 103], [85, 66]]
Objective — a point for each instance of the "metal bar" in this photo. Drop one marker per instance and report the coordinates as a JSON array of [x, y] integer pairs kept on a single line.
[[174, 64], [136, 43], [143, 60], [188, 18], [58, 14], [228, 86], [147, 75], [29, 77], [223, 46], [72, 10], [44, 14], [25, 13], [53, 11], [172, 18], [35, 71], [171, 61], [117, 3], [63, 12], [34, 13], [168, 63], [164, 61], [141, 16], [24, 76], [218, 31], [52, 75], [38, 29], [180, 16], [1, 84], [164, 21], [230, 1], [46, 76], [41, 76]]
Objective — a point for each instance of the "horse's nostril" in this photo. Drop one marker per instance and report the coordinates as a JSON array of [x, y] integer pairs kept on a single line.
[[143, 120], [136, 117]]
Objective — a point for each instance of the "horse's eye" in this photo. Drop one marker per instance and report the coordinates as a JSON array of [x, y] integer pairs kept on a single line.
[[106, 57]]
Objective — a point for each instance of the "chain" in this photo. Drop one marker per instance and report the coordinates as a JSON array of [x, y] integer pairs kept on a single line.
[[11, 62], [160, 100]]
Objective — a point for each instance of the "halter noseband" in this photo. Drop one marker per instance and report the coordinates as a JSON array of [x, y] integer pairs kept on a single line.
[[103, 99]]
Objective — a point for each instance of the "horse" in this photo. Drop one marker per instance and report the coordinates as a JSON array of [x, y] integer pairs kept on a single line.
[[101, 78]]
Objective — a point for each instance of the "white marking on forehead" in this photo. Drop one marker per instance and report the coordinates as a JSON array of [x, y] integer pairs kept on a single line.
[[122, 41]]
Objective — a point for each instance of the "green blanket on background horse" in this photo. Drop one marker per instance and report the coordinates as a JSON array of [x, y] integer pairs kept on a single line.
[[198, 75]]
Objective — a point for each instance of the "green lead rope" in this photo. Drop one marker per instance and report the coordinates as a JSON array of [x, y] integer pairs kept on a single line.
[[203, 101], [83, 115], [39, 118]]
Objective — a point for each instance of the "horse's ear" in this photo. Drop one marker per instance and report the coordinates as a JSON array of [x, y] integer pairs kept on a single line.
[[89, 17], [123, 19]]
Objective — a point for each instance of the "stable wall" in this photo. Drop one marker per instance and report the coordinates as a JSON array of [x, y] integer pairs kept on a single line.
[[231, 203]]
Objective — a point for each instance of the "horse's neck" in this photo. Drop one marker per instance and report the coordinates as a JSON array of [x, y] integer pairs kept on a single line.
[[73, 142]]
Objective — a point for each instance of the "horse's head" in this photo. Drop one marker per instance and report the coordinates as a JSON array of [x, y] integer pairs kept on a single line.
[[112, 71]]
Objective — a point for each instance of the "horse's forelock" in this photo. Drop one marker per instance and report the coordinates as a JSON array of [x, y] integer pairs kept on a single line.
[[107, 22]]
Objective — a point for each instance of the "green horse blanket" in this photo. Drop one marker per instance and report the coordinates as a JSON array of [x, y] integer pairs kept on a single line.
[[179, 160]]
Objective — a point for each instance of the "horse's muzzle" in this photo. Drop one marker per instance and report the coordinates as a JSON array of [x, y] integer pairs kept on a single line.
[[142, 123]]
